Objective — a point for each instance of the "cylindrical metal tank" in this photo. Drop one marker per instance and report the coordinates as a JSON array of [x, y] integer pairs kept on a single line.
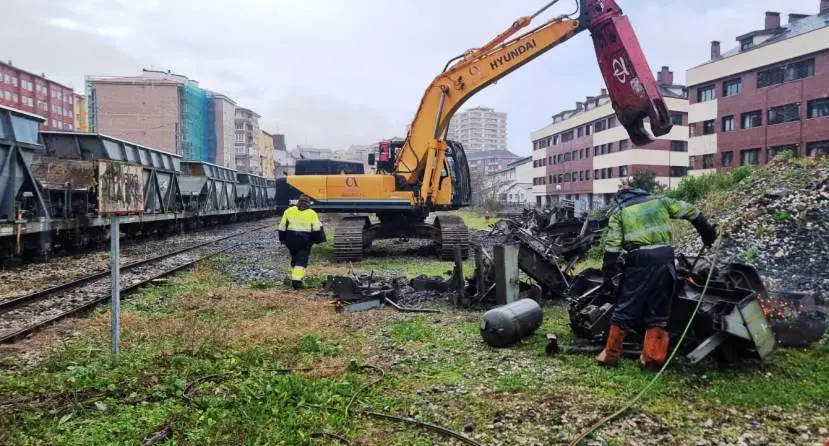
[[506, 325]]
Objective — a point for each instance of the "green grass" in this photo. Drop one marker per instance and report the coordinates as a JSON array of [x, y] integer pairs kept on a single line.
[[233, 342]]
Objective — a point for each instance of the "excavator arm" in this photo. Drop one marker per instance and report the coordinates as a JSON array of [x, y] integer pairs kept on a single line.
[[631, 85]]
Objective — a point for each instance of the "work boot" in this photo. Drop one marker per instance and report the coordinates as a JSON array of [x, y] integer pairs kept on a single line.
[[655, 350], [613, 349], [296, 284]]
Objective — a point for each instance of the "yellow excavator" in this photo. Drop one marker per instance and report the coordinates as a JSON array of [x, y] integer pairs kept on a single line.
[[427, 173]]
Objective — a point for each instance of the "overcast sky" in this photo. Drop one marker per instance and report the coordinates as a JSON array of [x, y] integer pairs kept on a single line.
[[337, 72]]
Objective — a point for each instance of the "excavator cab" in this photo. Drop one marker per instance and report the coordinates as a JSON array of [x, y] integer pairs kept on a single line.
[[459, 175]]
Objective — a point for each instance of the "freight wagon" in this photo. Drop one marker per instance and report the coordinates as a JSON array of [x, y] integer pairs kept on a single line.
[[58, 190]]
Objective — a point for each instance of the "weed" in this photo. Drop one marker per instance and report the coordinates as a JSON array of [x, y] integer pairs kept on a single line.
[[694, 188], [415, 329], [750, 255], [782, 216], [262, 284], [510, 382]]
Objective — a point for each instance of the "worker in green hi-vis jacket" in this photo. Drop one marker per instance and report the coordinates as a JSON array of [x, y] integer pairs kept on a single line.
[[638, 246]]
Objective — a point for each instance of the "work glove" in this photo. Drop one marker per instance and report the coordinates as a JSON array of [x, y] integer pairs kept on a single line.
[[706, 230], [282, 235]]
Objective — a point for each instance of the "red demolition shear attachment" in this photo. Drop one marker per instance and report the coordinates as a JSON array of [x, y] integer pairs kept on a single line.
[[630, 81]]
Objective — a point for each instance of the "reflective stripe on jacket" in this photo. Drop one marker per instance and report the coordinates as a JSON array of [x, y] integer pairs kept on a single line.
[[645, 223], [299, 221]]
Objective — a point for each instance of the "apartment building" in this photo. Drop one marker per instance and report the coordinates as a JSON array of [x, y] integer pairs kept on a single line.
[[247, 141], [584, 154], [267, 154], [38, 95], [81, 118], [225, 116], [512, 185], [768, 94], [478, 129]]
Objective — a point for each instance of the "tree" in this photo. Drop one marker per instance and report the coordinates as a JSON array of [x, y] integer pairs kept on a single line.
[[644, 179]]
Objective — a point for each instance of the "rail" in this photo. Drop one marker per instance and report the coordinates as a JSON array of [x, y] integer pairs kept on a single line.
[[15, 303]]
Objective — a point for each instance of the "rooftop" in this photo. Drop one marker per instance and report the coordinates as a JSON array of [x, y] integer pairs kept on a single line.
[[42, 75], [802, 25]]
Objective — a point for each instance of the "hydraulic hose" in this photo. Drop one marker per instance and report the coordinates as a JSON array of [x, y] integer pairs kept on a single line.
[[653, 381]]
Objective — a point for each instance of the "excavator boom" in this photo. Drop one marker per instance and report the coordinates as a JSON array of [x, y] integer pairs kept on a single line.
[[428, 173], [633, 89]]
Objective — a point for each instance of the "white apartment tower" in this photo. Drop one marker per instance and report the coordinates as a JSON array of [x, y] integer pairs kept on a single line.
[[479, 129]]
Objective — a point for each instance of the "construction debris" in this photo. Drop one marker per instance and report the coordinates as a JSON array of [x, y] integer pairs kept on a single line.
[[366, 292]]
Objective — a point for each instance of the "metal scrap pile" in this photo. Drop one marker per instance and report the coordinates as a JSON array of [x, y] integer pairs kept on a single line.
[[361, 292]]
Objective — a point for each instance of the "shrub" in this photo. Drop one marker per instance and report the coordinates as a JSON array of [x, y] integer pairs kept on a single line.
[[693, 188]]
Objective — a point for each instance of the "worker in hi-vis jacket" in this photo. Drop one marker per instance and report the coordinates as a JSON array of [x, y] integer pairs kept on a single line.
[[299, 229]]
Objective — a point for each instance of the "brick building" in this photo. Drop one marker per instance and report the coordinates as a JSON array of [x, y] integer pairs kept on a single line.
[[165, 111], [585, 153], [35, 94], [768, 94]]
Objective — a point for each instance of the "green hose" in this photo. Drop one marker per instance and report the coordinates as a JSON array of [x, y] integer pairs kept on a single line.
[[650, 384]]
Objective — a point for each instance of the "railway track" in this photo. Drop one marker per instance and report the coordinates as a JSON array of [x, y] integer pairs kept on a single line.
[[25, 314]]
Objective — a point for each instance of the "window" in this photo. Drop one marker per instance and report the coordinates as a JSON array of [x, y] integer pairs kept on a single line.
[[596, 174], [580, 132], [708, 161], [624, 144], [800, 70], [679, 146], [567, 157], [678, 171], [750, 157], [581, 154], [691, 160], [588, 129], [731, 87], [611, 122], [567, 177], [766, 78], [705, 93], [604, 173], [568, 136], [623, 171], [777, 150], [747, 44], [596, 151], [581, 176], [708, 127], [791, 72], [727, 159], [818, 108], [819, 148], [752, 119], [587, 175], [610, 172], [728, 123], [784, 113], [14, 97], [7, 79], [7, 95], [600, 126], [676, 118], [14, 81]]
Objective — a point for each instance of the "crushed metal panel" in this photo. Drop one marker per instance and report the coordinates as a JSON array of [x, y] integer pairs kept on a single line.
[[121, 188]]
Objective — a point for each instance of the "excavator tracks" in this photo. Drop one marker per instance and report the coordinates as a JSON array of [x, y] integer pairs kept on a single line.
[[354, 234], [348, 239], [453, 233]]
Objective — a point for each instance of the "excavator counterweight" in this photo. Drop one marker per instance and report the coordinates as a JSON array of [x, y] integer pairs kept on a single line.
[[427, 173]]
